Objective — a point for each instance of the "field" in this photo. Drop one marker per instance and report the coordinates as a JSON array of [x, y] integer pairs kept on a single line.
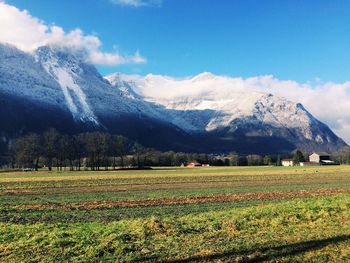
[[247, 214]]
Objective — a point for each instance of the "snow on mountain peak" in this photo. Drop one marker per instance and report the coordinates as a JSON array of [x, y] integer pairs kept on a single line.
[[64, 71], [204, 76], [221, 99]]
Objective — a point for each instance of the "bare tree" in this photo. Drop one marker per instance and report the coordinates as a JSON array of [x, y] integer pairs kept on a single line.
[[28, 150]]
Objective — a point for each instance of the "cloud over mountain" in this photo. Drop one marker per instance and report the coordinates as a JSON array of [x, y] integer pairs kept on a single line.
[[327, 101], [20, 28]]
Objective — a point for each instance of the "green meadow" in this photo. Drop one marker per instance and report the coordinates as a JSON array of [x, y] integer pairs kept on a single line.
[[209, 214]]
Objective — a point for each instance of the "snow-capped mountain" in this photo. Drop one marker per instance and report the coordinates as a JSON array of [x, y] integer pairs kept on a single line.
[[66, 73], [55, 87], [214, 104]]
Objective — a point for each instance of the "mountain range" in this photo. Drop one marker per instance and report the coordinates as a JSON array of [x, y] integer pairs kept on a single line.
[[56, 87]]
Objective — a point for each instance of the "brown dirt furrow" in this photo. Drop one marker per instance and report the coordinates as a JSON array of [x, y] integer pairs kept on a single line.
[[189, 200], [56, 177], [160, 186]]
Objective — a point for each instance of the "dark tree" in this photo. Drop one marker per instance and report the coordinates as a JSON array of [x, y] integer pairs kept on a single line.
[[233, 159], [298, 157], [267, 160], [278, 160], [106, 148], [63, 151], [79, 149], [121, 148], [28, 150], [71, 146], [141, 154], [254, 159], [93, 143], [51, 140], [180, 158]]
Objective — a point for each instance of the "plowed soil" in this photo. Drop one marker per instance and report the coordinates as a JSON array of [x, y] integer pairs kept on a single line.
[[190, 200]]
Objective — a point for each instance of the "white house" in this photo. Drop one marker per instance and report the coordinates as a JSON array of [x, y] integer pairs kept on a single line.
[[320, 158], [287, 162]]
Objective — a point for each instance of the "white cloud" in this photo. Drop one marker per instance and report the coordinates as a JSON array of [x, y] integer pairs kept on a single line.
[[137, 3], [27, 33], [110, 59]]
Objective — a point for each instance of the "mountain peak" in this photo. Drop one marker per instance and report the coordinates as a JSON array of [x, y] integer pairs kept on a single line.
[[204, 76]]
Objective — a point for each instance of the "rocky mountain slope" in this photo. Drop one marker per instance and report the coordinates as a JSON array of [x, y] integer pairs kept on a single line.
[[54, 87], [217, 106]]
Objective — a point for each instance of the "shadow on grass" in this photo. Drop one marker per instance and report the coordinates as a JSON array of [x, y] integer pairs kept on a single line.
[[267, 253]]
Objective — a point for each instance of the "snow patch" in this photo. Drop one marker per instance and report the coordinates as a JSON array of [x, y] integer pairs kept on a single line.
[[74, 95]]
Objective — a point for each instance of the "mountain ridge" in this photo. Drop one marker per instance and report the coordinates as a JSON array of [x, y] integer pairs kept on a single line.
[[230, 109], [205, 113]]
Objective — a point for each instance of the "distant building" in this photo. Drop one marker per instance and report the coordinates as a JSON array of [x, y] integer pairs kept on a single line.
[[287, 162], [194, 164], [321, 158]]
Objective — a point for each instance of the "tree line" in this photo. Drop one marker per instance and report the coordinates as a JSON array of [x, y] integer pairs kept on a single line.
[[92, 150], [52, 149], [98, 150]]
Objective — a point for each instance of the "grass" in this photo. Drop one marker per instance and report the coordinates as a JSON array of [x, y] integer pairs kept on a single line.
[[278, 214]]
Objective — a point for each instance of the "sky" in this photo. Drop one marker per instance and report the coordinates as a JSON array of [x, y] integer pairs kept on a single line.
[[291, 39], [295, 48]]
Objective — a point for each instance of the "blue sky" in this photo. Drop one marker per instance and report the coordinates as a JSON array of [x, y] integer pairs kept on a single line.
[[299, 40]]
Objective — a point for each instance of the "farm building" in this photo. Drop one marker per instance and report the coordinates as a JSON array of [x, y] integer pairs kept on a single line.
[[321, 158], [287, 162], [193, 164]]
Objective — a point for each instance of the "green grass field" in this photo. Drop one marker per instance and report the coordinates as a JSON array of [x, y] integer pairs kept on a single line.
[[210, 214]]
